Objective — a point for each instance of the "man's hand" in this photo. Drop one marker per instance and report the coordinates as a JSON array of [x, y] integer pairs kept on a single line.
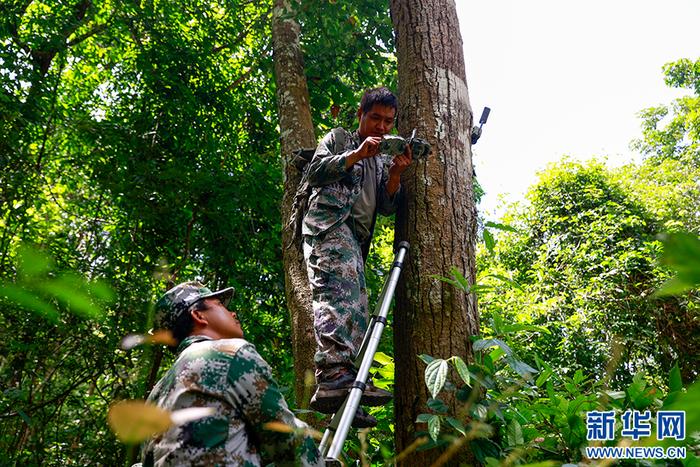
[[398, 165], [368, 148]]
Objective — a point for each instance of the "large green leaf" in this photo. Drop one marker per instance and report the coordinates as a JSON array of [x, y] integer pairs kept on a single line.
[[29, 301], [483, 344], [462, 369], [435, 376], [682, 254]]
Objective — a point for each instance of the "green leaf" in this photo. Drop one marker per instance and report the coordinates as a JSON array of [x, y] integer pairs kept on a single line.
[[463, 282], [66, 289], [426, 358], [423, 417], [498, 226], [483, 344], [521, 368], [682, 254], [29, 301], [639, 394], [616, 395], [497, 322], [382, 358], [434, 427], [675, 383], [514, 434], [445, 279], [506, 280], [457, 425], [544, 376], [101, 290], [495, 354], [462, 369], [435, 376], [489, 240], [511, 328], [437, 405], [686, 401], [32, 261]]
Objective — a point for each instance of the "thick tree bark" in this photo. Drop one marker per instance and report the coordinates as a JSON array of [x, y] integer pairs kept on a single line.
[[297, 131], [438, 215]]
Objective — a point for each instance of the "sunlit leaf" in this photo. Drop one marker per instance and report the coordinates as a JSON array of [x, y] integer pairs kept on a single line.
[[462, 369], [489, 241], [506, 280], [434, 427], [511, 328], [499, 226], [435, 376], [134, 421], [382, 358]]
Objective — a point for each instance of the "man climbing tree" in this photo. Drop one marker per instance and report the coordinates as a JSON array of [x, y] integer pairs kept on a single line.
[[350, 184]]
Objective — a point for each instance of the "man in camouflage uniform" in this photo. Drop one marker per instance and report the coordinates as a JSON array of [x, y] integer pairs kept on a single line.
[[350, 183], [217, 368]]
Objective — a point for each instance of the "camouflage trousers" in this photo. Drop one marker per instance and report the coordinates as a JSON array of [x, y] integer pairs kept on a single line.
[[337, 278]]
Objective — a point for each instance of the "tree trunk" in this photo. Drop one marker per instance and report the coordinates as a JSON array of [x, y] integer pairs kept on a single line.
[[437, 216], [297, 131]]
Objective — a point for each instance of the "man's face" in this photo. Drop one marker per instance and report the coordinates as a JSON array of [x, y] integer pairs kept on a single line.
[[378, 121], [222, 321]]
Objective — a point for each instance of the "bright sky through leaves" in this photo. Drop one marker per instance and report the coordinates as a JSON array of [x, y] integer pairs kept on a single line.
[[566, 78]]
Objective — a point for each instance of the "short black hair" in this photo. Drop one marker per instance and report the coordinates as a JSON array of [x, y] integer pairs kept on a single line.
[[184, 324], [381, 96]]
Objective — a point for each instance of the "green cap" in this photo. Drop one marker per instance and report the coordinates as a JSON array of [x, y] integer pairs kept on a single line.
[[180, 298]]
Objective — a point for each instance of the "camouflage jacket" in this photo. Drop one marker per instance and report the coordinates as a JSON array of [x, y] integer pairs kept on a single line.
[[335, 189], [230, 376]]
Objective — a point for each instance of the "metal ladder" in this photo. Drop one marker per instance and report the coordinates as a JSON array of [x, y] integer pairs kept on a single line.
[[337, 430]]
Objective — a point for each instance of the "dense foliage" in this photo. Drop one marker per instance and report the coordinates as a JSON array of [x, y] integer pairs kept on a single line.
[[139, 145]]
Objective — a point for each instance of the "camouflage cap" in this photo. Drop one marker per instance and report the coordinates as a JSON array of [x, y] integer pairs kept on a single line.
[[180, 298]]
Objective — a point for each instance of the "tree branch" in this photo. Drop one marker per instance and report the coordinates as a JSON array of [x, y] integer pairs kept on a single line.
[[95, 30]]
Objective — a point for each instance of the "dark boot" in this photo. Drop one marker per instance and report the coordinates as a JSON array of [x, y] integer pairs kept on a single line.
[[363, 419], [329, 395]]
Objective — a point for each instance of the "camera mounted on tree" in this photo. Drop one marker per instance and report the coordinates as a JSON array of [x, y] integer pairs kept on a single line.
[[393, 145]]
